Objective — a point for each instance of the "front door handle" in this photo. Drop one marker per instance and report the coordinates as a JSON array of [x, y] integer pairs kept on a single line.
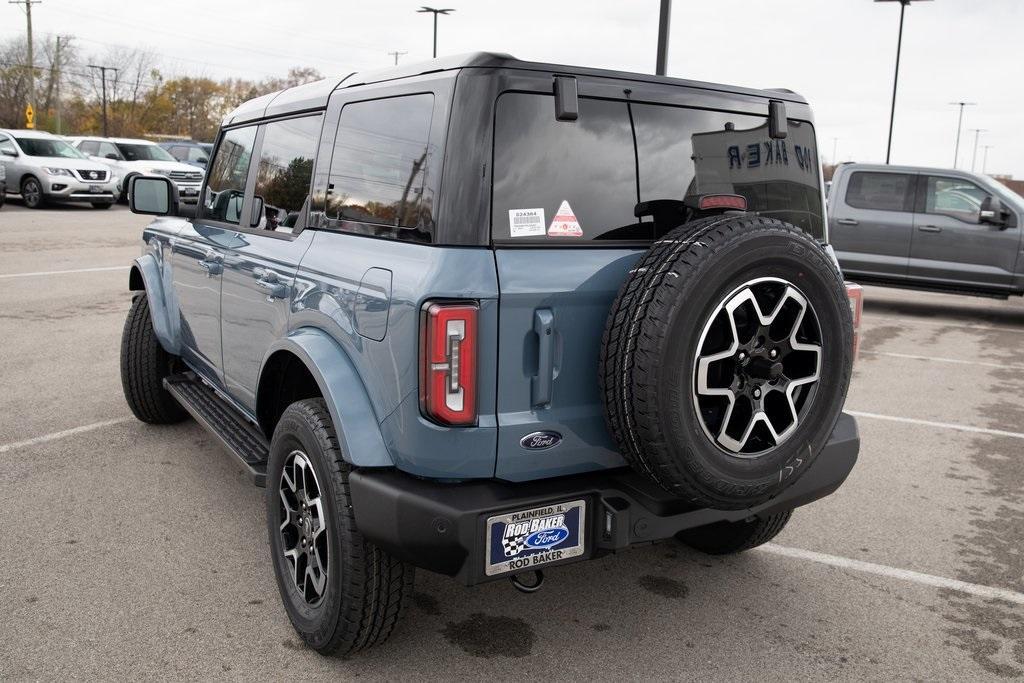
[[542, 383], [270, 282], [847, 221], [212, 262], [929, 228]]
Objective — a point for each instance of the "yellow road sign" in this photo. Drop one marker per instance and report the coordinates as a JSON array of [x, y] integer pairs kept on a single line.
[[30, 116]]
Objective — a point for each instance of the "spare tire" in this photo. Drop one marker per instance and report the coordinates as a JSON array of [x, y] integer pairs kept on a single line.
[[726, 359]]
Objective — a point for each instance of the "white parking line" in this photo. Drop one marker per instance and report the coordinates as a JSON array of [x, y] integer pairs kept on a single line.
[[63, 272], [958, 361], [911, 321], [5, 448], [941, 425], [980, 591]]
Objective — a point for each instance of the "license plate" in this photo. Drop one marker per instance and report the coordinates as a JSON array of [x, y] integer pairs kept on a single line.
[[189, 191], [95, 188], [524, 540]]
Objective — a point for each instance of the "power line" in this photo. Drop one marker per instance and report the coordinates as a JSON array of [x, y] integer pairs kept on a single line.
[[396, 54], [103, 77]]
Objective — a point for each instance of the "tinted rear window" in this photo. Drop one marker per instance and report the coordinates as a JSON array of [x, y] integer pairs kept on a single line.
[[590, 166], [882, 191]]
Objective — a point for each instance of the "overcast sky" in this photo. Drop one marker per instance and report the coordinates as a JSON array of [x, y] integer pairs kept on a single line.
[[838, 53]]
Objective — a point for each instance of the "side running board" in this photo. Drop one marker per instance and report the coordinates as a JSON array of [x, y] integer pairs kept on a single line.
[[235, 433]]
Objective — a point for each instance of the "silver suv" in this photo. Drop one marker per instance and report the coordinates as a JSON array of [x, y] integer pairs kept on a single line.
[[42, 167], [132, 157]]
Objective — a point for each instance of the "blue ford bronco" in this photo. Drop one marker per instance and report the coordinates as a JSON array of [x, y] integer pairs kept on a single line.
[[485, 317]]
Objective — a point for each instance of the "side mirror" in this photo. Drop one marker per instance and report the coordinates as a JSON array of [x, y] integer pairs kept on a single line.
[[153, 195], [111, 155], [202, 161], [992, 212], [257, 211], [9, 152]]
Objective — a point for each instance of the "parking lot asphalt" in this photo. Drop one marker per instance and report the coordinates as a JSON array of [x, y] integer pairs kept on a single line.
[[137, 551]]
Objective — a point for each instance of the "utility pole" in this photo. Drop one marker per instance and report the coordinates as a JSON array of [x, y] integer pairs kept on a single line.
[[31, 63], [435, 12], [835, 146], [984, 158], [896, 75], [974, 157], [103, 78], [396, 54], [55, 75], [664, 16], [959, 127]]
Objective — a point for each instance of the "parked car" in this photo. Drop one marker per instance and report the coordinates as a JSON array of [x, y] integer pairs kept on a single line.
[[141, 157], [927, 228], [434, 310], [41, 168], [3, 184], [190, 152]]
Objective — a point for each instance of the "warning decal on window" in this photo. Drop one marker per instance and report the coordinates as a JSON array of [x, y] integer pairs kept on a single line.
[[526, 222], [564, 224]]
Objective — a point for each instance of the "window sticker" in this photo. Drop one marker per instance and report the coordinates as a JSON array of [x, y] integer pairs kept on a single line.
[[564, 224], [526, 222]]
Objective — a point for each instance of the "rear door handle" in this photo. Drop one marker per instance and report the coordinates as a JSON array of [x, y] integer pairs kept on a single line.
[[542, 383], [270, 282], [847, 221], [929, 228]]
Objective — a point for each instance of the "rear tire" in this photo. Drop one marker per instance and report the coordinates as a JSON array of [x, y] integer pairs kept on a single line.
[[144, 365], [726, 538], [351, 593]]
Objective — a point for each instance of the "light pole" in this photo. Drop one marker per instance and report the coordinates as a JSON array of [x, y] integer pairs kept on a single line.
[[835, 146], [661, 62], [435, 12], [974, 157], [959, 127], [984, 158], [896, 76]]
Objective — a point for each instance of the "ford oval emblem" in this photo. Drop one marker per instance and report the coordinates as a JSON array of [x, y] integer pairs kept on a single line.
[[540, 441]]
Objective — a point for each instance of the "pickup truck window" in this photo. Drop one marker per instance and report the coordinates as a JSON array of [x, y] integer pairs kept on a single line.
[[225, 185], [881, 191], [378, 182], [955, 197], [285, 171]]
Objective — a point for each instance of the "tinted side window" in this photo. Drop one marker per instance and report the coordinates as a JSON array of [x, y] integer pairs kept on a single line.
[[225, 185], [954, 197], [881, 191], [194, 154], [105, 148], [285, 171], [543, 167], [379, 169], [685, 153]]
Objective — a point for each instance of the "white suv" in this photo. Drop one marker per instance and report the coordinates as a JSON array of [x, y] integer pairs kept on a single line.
[[142, 157], [42, 167]]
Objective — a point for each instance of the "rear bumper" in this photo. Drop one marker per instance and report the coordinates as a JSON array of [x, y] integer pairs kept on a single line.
[[442, 527]]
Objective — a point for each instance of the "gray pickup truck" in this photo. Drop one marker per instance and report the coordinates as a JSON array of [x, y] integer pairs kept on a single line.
[[927, 228]]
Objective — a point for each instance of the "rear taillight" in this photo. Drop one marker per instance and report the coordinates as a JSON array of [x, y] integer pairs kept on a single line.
[[722, 201], [448, 363], [855, 295]]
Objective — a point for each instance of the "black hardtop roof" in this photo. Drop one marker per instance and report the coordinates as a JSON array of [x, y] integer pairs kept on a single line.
[[314, 95]]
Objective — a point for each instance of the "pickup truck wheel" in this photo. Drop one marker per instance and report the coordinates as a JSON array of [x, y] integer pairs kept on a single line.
[[726, 538], [144, 365], [32, 193], [726, 359], [341, 592]]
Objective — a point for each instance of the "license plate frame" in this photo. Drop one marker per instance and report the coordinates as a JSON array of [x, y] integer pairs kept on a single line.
[[95, 189], [523, 540]]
